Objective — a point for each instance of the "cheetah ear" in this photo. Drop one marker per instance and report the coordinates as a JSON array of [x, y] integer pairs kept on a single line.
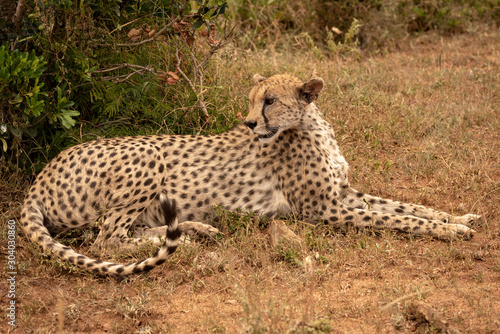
[[310, 90], [258, 78]]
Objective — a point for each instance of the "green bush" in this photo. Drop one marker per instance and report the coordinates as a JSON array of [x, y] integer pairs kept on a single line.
[[20, 88], [27, 107], [108, 66]]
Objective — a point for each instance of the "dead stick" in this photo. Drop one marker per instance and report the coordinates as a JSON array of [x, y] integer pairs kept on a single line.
[[200, 104], [423, 312], [125, 65]]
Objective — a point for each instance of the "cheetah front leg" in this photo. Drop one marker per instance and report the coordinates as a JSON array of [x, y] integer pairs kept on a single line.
[[356, 199], [338, 214]]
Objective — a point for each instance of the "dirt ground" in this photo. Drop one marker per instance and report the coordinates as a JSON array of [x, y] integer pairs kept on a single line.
[[420, 124]]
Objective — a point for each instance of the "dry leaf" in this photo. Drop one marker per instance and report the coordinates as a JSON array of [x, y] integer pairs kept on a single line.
[[180, 26], [152, 33], [135, 34], [162, 77], [239, 116], [173, 75], [212, 41], [210, 38], [172, 81], [336, 30], [170, 77]]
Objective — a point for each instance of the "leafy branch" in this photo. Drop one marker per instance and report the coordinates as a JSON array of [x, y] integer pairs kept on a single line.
[[151, 39], [199, 66]]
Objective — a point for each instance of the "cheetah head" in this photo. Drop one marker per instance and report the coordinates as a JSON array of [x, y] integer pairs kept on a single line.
[[279, 103]]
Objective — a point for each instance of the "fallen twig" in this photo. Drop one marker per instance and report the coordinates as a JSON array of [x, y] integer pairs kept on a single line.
[[422, 312], [136, 69], [126, 65], [400, 299], [126, 24]]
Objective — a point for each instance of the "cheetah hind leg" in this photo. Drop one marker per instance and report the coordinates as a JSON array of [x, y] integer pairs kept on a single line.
[[113, 235], [196, 228], [188, 229]]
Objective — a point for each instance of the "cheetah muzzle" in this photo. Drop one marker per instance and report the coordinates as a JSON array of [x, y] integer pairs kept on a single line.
[[272, 131], [151, 189]]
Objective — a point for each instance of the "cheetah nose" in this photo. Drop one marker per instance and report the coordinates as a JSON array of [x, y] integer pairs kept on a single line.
[[251, 124]]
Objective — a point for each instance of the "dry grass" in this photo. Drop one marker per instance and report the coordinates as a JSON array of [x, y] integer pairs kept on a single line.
[[421, 125]]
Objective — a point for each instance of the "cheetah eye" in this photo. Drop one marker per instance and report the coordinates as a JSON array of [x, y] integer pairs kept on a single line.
[[269, 100]]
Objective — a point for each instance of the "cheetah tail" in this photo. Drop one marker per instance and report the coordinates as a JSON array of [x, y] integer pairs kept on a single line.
[[38, 233]]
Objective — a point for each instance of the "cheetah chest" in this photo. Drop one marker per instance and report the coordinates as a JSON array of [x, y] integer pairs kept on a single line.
[[271, 200]]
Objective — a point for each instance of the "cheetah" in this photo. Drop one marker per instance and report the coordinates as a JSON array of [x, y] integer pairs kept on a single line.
[[284, 159]]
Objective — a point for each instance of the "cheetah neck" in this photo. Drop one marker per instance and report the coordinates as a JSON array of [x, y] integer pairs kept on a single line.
[[310, 151]]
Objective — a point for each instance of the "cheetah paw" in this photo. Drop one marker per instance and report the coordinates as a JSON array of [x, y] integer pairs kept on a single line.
[[197, 228], [209, 230], [467, 219], [463, 231], [184, 240]]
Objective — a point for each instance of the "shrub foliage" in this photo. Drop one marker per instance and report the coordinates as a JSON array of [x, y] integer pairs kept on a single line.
[[112, 67]]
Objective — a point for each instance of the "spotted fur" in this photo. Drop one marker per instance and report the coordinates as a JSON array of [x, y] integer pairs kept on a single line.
[[284, 159], [39, 227]]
